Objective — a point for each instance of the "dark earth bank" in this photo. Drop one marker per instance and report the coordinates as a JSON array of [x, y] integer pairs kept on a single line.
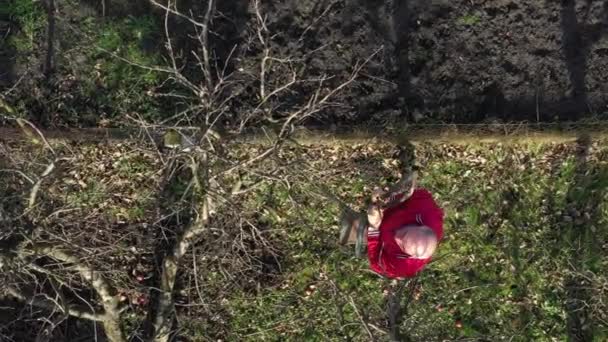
[[466, 61], [438, 60]]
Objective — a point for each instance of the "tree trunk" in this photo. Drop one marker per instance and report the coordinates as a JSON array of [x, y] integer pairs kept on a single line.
[[401, 37], [50, 37]]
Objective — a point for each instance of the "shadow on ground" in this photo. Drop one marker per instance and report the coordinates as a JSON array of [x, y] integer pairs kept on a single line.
[[573, 243], [578, 237], [7, 52], [440, 66]]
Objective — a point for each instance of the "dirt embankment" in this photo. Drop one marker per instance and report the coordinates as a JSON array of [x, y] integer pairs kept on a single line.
[[460, 61], [438, 60]]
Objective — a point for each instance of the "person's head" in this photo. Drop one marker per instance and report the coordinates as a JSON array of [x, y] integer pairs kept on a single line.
[[417, 241]]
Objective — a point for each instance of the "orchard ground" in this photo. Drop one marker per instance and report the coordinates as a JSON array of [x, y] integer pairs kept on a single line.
[[523, 256]]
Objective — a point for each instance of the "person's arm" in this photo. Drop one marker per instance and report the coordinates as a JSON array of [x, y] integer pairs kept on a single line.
[[374, 244], [401, 191], [429, 213]]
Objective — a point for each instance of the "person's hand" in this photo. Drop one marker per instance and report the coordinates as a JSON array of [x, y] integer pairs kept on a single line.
[[375, 211], [378, 195], [374, 216]]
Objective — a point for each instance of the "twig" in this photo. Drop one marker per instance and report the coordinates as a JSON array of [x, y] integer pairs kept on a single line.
[[23, 123], [314, 103], [11, 89], [175, 12], [196, 284], [327, 9], [363, 322], [378, 329], [248, 162], [152, 141], [175, 73], [19, 173], [72, 310], [168, 37], [36, 187]]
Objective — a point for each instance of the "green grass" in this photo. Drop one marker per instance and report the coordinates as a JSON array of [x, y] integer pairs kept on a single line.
[[127, 38], [30, 17], [130, 165], [469, 20], [131, 38], [89, 57], [502, 271], [120, 189], [523, 258], [92, 195]]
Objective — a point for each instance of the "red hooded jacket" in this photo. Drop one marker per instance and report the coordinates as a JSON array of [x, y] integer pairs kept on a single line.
[[385, 256]]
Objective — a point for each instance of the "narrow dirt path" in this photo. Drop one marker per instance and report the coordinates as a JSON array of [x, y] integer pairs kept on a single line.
[[459, 134]]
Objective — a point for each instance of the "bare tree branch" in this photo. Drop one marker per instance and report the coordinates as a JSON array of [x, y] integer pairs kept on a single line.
[[36, 187], [204, 38], [363, 322], [33, 132], [109, 301], [72, 310], [175, 12], [165, 306]]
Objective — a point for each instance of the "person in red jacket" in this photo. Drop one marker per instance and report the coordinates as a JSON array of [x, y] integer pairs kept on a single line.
[[402, 238], [402, 235]]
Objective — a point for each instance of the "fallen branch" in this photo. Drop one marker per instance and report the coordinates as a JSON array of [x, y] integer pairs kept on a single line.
[[110, 302], [36, 187], [32, 132], [72, 310], [363, 322]]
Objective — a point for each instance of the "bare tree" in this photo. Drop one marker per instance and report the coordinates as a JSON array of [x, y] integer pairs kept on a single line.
[[214, 93], [218, 98]]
